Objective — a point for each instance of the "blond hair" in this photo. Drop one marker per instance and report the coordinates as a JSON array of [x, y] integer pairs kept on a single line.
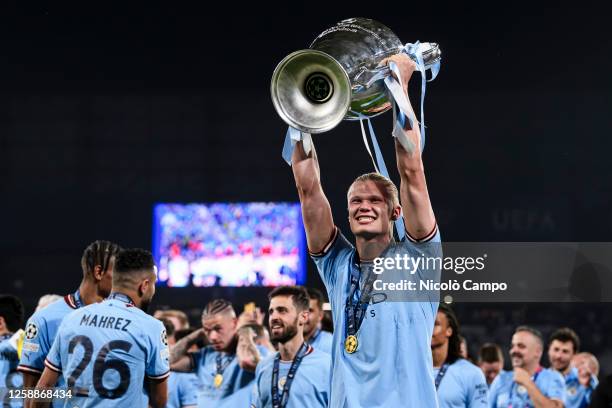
[[388, 188]]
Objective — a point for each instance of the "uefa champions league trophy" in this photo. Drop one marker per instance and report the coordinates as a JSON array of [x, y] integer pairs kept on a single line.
[[341, 76]]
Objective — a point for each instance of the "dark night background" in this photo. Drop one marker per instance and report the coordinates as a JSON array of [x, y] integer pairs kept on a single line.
[[106, 111]]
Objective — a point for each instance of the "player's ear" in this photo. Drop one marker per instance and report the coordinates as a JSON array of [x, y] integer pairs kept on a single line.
[[304, 316], [98, 272], [142, 287], [396, 213]]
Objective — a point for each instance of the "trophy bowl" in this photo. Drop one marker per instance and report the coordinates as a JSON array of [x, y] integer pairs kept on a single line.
[[339, 77]]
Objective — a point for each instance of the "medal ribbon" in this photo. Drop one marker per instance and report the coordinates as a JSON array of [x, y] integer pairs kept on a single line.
[[441, 373], [357, 304], [534, 378], [281, 401], [122, 297], [220, 365]]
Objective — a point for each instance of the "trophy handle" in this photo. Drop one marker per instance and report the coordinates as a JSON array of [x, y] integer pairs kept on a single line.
[[365, 78]]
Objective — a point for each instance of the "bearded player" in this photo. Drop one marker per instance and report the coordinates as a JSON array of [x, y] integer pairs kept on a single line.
[[383, 360]]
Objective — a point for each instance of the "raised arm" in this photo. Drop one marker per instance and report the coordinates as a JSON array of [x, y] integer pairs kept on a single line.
[[247, 353], [179, 356], [316, 211], [416, 206]]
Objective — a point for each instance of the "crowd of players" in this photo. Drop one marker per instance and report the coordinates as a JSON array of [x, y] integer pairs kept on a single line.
[[100, 343]]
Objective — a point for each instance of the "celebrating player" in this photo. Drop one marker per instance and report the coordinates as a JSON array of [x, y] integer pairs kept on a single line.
[[228, 364], [384, 359], [104, 350], [97, 265], [579, 384], [11, 319], [459, 382], [529, 384], [298, 375]]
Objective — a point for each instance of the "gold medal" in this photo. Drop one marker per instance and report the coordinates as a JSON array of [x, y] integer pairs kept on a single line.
[[350, 344], [218, 380], [281, 383]]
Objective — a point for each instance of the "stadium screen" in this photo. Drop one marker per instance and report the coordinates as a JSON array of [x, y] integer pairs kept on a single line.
[[229, 244]]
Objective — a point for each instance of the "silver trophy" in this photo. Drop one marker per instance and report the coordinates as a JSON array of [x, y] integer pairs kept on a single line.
[[340, 76]]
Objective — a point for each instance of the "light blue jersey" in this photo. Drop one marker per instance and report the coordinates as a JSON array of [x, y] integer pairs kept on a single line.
[[310, 386], [322, 340], [576, 394], [392, 366], [462, 386], [182, 390], [239, 399], [9, 376], [40, 332], [104, 351], [504, 392], [235, 378]]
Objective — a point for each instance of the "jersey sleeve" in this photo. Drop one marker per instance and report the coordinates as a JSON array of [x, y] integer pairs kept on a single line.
[[477, 390], [188, 390], [327, 260], [432, 236], [53, 360], [158, 366], [197, 358], [556, 387], [36, 345]]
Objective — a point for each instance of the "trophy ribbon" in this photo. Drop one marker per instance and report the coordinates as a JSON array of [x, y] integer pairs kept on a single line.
[[293, 136], [379, 163]]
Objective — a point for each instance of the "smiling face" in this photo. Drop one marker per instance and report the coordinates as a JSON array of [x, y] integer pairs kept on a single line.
[[285, 320], [560, 354], [525, 350], [370, 215]]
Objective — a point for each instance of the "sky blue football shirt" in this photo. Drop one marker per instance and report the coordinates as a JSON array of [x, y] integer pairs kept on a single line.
[[235, 378], [104, 351], [392, 366], [577, 395], [462, 386], [504, 392], [182, 390], [310, 386]]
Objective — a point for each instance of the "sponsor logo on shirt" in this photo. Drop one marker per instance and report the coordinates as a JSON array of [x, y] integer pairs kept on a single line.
[[31, 347]]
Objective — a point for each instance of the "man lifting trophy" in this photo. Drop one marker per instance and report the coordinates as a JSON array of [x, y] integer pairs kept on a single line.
[[381, 354]]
